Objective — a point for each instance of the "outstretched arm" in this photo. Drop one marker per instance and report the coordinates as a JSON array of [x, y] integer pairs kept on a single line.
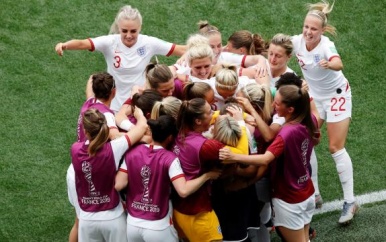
[[74, 44], [179, 50]]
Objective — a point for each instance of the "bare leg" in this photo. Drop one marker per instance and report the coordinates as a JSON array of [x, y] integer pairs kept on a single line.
[[307, 232], [74, 231], [293, 235]]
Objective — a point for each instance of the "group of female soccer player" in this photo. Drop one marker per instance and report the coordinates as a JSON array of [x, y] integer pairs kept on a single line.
[[213, 147]]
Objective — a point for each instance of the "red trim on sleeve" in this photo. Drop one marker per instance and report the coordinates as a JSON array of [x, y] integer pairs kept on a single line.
[[123, 170], [171, 50], [332, 57], [347, 85], [241, 71], [311, 99], [128, 140], [128, 101], [176, 177], [92, 45], [243, 61]]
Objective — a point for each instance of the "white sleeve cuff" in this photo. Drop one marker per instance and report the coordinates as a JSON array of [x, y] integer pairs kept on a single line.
[[126, 124]]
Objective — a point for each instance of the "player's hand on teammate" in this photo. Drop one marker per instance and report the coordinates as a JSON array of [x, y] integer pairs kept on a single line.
[[236, 112], [246, 104], [213, 175], [226, 155]]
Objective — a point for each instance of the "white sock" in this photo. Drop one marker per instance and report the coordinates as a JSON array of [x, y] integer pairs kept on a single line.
[[345, 172], [314, 168]]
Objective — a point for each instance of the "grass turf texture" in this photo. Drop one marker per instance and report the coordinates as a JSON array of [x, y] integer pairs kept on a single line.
[[42, 93]]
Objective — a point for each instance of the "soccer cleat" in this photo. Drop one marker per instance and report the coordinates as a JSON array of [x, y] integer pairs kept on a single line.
[[318, 201], [348, 212]]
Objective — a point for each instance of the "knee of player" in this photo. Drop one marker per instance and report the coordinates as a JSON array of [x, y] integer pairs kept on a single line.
[[334, 148]]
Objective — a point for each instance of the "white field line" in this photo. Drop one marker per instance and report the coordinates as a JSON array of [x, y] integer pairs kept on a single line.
[[361, 199]]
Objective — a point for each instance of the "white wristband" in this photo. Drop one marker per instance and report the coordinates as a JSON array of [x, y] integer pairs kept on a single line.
[[126, 124]]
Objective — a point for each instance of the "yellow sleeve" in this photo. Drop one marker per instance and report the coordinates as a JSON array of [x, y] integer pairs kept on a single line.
[[242, 145], [214, 116]]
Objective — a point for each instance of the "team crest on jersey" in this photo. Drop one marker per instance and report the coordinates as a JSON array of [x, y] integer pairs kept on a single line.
[[141, 51], [176, 150], [317, 58]]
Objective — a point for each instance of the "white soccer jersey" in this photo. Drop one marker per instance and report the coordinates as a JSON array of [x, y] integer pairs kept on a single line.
[[231, 58], [275, 79], [322, 82], [127, 65]]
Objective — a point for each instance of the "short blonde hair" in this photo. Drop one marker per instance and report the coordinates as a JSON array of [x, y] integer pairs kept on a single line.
[[196, 39], [199, 51], [227, 130]]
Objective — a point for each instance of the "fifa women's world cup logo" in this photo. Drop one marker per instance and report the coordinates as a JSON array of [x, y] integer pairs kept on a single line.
[[304, 148], [86, 169], [145, 173]]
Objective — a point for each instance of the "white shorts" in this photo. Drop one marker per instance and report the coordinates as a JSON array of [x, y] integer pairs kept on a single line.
[[71, 189], [335, 108], [293, 216], [139, 234], [103, 230]]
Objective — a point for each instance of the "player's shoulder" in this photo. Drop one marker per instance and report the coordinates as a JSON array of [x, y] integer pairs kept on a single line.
[[296, 38]]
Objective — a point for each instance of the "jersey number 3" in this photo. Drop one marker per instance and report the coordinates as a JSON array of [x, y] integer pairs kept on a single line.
[[338, 104], [117, 62]]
